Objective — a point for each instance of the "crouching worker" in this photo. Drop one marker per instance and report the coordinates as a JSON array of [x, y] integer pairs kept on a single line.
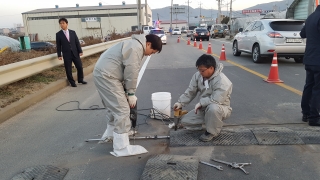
[[214, 89], [118, 69]]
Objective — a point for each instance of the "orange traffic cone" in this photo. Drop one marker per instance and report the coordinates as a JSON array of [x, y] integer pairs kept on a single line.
[[178, 39], [273, 74], [223, 54], [188, 43], [209, 51], [200, 45], [195, 43]]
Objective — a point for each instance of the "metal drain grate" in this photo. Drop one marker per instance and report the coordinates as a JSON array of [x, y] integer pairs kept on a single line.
[[276, 136], [227, 137], [42, 172], [309, 135], [171, 167]]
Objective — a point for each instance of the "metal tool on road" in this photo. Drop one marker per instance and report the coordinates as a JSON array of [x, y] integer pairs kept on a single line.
[[150, 137], [234, 165], [212, 165], [134, 138], [177, 116]]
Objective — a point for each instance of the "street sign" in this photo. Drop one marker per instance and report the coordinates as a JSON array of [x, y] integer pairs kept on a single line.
[[176, 9]]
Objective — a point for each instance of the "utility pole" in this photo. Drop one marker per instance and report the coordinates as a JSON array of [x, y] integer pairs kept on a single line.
[[171, 15], [139, 15], [158, 16], [146, 7], [230, 16], [219, 11], [188, 14], [200, 9]]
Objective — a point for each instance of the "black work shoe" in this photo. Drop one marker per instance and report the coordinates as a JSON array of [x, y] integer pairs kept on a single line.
[[314, 121], [207, 136], [73, 84], [83, 82], [305, 118]]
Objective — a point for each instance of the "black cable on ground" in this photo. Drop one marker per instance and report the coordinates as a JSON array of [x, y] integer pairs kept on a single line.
[[156, 113]]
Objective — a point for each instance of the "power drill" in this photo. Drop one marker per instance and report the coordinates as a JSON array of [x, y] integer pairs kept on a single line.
[[133, 118], [177, 115]]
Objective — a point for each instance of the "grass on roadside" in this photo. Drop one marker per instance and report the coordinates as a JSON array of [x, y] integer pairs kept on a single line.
[[15, 91]]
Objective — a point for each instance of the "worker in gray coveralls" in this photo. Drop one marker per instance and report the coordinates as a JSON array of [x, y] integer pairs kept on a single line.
[[118, 69], [214, 90]]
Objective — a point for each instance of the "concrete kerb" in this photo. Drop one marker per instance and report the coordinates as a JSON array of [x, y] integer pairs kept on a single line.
[[31, 99]]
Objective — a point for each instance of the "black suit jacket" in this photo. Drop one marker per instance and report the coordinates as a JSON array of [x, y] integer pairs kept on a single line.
[[66, 47], [311, 31]]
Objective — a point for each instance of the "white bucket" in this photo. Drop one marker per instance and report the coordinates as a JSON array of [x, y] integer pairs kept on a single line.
[[162, 102]]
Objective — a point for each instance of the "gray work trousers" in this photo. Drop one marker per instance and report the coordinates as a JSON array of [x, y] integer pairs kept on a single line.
[[211, 116], [114, 99]]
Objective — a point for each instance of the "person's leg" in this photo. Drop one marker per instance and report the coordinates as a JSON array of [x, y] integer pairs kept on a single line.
[[314, 119], [118, 112], [214, 114], [108, 134], [115, 100], [193, 121], [77, 62], [307, 91], [68, 68]]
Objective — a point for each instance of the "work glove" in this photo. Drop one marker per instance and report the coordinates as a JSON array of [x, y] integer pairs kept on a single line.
[[177, 106], [132, 99], [197, 107]]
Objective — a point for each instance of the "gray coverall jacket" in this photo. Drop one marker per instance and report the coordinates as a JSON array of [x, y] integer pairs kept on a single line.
[[118, 67], [215, 101]]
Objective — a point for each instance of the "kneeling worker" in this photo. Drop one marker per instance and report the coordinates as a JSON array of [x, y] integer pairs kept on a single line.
[[118, 69], [214, 89]]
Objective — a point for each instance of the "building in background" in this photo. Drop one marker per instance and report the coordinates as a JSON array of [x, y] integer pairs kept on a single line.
[[301, 9], [4, 31], [89, 21], [165, 25], [20, 30]]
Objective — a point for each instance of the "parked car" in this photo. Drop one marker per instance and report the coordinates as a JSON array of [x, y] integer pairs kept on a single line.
[[184, 30], [200, 33], [176, 31], [218, 30], [265, 36], [161, 34], [82, 42], [189, 32], [146, 29], [41, 46]]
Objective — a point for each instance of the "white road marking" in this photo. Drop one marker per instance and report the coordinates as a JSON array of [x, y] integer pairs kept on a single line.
[[143, 68]]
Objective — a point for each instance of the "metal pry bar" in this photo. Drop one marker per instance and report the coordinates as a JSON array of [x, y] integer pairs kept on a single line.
[[212, 165], [234, 165]]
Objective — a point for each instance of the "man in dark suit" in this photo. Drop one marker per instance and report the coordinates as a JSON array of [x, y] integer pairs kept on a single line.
[[310, 102], [67, 41]]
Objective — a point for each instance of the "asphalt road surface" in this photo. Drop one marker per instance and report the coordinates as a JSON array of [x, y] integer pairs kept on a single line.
[[43, 136]]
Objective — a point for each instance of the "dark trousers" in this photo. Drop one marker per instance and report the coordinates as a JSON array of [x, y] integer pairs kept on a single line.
[[68, 67], [310, 102]]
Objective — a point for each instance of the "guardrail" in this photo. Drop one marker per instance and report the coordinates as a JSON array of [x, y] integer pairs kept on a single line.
[[16, 71]]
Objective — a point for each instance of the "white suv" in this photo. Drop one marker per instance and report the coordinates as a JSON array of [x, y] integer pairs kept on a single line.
[[265, 36]]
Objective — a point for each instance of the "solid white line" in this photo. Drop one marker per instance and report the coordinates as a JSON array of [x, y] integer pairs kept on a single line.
[[143, 68]]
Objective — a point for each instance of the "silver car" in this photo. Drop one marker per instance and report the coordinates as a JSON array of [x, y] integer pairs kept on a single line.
[[265, 36]]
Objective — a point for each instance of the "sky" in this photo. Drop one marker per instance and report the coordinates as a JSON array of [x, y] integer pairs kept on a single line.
[[10, 10]]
